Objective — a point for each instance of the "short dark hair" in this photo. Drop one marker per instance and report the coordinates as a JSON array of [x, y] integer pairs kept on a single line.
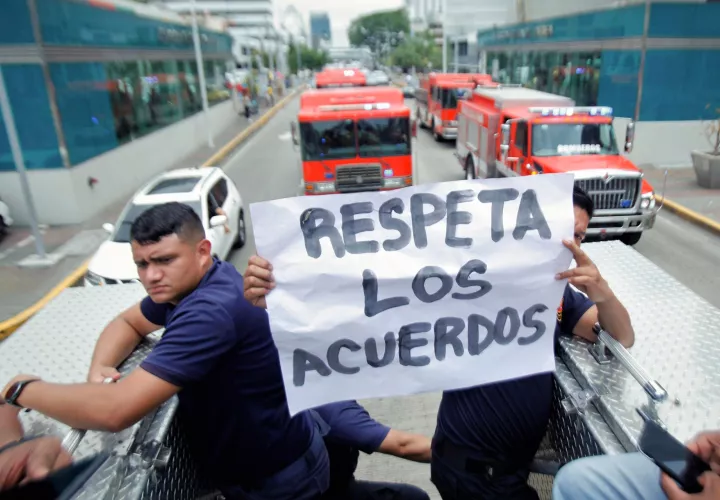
[[583, 201], [163, 220]]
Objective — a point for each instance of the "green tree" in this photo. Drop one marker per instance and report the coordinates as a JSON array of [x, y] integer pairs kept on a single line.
[[379, 29], [418, 51], [309, 58]]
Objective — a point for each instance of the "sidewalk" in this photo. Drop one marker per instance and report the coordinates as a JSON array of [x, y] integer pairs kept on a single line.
[[22, 287], [684, 196]]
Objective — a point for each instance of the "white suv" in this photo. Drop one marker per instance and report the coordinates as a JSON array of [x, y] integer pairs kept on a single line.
[[113, 262]]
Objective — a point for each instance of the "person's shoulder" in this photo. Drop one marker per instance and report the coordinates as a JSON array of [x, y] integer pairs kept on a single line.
[[573, 298]]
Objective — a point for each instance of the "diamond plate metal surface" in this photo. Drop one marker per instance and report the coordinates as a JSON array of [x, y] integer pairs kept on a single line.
[[57, 344], [675, 343]]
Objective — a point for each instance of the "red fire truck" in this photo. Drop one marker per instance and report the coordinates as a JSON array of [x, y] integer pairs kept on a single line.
[[437, 100], [353, 140], [340, 77], [508, 131]]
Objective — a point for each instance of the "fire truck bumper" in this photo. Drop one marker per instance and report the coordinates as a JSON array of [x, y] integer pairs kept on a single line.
[[449, 133], [614, 225]]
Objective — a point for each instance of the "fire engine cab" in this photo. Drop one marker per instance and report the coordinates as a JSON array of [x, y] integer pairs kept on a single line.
[[340, 77], [353, 140], [437, 100], [509, 131]]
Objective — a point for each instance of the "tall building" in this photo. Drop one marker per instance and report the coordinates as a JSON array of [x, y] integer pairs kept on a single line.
[[320, 29], [251, 23]]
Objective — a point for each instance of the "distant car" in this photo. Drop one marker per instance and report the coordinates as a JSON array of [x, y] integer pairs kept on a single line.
[[5, 219], [378, 78], [113, 262]]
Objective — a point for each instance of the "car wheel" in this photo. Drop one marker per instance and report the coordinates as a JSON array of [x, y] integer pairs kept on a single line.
[[241, 232], [436, 136]]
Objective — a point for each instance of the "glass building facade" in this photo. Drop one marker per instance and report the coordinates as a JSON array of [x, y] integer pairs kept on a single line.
[[84, 77], [608, 58]]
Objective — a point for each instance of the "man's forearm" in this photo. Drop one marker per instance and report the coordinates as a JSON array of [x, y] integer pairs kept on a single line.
[[614, 318], [115, 344], [10, 427], [82, 406]]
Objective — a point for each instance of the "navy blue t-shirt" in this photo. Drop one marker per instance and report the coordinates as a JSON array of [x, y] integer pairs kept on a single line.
[[508, 417], [351, 429], [218, 348]]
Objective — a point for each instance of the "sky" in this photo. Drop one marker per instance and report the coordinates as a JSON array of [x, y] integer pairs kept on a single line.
[[341, 12]]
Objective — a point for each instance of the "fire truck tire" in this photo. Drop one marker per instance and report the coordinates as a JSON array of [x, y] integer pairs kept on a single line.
[[469, 169], [631, 239], [436, 136]]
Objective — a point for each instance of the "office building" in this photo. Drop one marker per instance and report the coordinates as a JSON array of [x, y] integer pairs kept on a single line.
[[251, 23], [661, 74], [320, 33], [106, 91]]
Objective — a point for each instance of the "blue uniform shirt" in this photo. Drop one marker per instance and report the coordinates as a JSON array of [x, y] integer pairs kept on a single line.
[[217, 347], [351, 429], [507, 421]]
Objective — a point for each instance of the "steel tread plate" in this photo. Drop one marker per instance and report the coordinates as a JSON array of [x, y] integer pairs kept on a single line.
[[675, 343]]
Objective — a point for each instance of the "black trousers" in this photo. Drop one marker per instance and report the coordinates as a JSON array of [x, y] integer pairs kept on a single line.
[[371, 490], [459, 474]]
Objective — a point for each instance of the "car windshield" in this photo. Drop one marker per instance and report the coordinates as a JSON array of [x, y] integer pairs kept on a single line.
[[384, 137], [565, 139], [326, 140], [449, 97], [122, 230]]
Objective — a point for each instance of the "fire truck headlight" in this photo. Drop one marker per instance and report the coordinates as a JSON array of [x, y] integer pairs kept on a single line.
[[394, 182], [324, 187], [647, 202]]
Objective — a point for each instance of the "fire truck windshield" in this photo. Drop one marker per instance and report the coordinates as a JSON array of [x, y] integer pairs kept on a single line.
[[563, 139], [341, 139], [383, 137], [449, 97], [328, 139]]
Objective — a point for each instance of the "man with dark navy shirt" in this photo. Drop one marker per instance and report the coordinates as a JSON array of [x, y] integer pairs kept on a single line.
[[486, 436], [347, 429], [216, 354]]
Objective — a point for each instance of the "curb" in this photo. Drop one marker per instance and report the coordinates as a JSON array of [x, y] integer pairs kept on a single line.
[[10, 325], [690, 215]]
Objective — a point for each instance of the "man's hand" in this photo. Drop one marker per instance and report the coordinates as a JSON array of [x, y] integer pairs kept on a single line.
[[706, 445], [586, 276], [258, 281], [31, 460], [709, 481], [98, 374]]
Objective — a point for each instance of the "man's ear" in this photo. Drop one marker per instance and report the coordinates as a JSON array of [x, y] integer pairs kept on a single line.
[[204, 248]]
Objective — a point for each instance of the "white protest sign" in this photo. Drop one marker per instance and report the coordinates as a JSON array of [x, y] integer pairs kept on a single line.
[[432, 287]]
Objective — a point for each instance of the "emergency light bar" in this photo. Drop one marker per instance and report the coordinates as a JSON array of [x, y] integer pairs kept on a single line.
[[354, 107], [580, 110]]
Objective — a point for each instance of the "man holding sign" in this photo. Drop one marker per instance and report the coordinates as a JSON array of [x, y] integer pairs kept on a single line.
[[460, 283]]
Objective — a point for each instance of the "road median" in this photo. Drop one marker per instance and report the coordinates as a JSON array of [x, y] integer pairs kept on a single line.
[[10, 325], [690, 215]]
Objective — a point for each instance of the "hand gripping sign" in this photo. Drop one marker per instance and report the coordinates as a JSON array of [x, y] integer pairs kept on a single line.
[[432, 287]]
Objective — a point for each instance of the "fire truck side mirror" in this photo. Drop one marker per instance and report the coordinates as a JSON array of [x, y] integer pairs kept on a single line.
[[293, 133], [505, 140], [629, 137]]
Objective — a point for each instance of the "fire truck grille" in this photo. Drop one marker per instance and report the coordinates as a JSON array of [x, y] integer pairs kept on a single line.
[[619, 193], [352, 178]]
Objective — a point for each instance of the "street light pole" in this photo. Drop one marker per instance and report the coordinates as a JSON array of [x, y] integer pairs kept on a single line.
[[444, 35], [201, 73], [20, 166]]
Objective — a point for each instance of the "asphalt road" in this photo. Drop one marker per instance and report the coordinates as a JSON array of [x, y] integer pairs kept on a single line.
[[267, 167]]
